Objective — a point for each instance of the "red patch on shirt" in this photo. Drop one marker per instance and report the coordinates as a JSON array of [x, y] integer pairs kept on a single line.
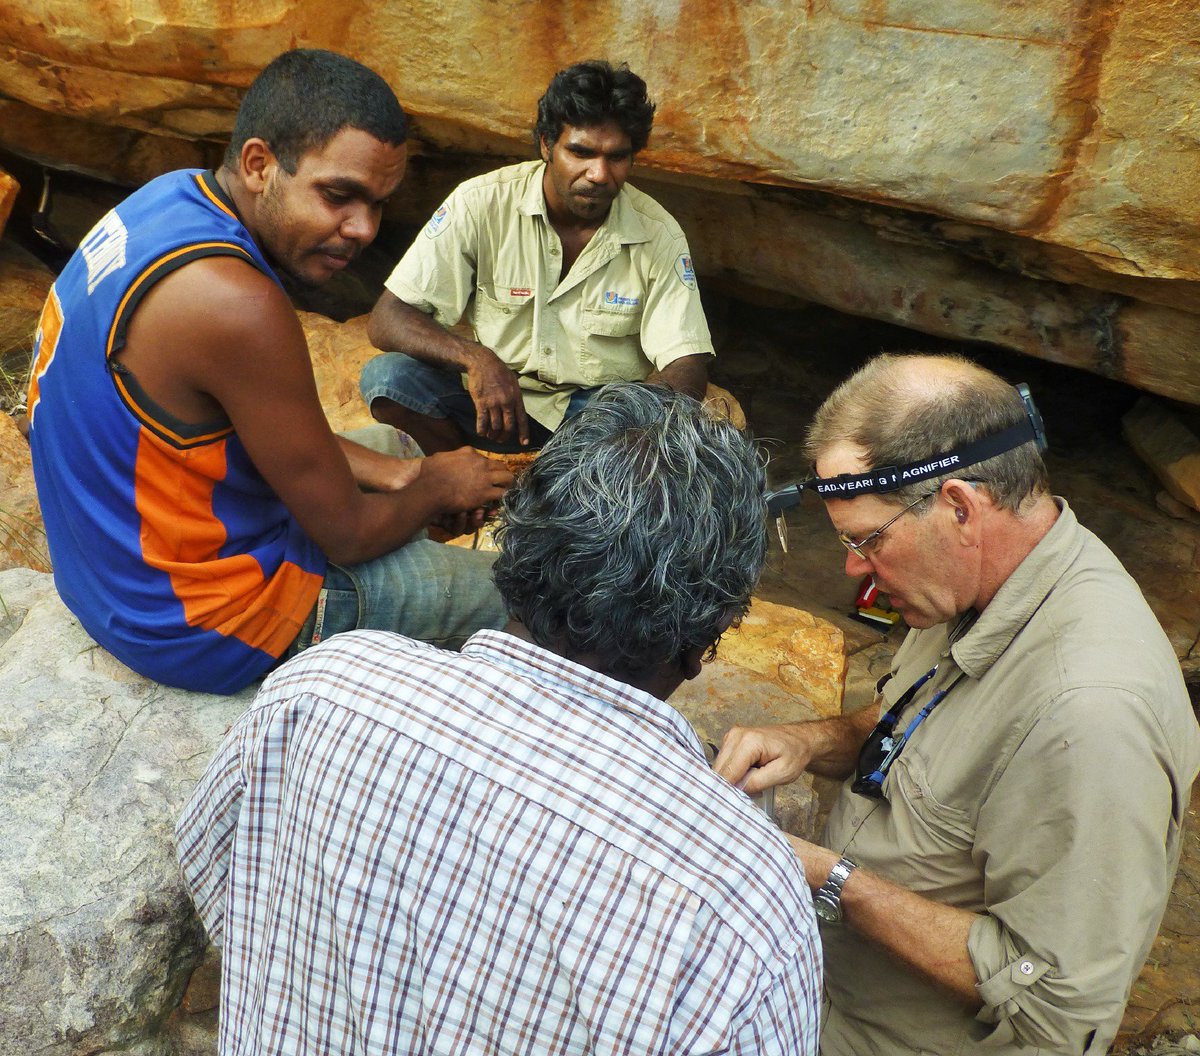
[[520, 291]]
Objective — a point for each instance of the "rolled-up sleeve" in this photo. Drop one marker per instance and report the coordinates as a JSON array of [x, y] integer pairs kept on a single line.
[[673, 321], [1075, 889], [205, 832], [437, 273]]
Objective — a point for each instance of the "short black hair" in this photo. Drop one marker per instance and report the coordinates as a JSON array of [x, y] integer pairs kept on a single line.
[[592, 93], [305, 97]]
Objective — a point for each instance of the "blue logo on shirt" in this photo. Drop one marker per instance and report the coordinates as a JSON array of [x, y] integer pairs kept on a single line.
[[620, 301], [438, 222], [683, 268]]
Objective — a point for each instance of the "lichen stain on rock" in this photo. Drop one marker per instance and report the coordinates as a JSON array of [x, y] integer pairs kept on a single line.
[[1078, 101]]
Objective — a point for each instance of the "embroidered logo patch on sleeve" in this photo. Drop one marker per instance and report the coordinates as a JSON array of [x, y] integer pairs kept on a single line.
[[683, 268], [438, 222]]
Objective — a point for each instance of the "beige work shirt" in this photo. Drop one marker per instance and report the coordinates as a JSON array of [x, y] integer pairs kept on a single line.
[[1046, 793], [628, 306]]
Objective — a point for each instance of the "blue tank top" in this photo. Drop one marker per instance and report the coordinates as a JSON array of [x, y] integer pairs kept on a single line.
[[167, 544]]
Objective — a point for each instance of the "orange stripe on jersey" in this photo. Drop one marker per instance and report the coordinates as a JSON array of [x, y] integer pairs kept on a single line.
[[153, 423], [213, 198], [181, 536], [46, 340]]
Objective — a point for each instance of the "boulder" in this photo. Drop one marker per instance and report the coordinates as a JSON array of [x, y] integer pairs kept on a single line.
[[22, 536], [97, 936], [1026, 141], [24, 284], [339, 351], [9, 189], [1168, 446], [1044, 120], [779, 665]]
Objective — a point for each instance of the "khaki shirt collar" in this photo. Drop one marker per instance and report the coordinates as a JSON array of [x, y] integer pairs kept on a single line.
[[622, 226], [1020, 596]]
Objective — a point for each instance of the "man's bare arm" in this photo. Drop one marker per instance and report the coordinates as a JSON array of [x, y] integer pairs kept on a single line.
[[376, 471], [218, 335], [688, 374], [396, 326], [928, 937]]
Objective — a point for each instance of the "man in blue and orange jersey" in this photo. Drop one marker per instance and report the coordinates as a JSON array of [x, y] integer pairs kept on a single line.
[[203, 519]]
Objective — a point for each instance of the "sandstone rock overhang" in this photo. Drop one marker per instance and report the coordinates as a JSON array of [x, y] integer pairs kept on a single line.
[[1016, 174]]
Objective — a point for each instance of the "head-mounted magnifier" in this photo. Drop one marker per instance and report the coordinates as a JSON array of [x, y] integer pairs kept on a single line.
[[892, 478]]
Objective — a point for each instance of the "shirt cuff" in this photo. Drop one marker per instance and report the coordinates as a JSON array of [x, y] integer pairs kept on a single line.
[[1005, 973], [419, 299], [696, 347]]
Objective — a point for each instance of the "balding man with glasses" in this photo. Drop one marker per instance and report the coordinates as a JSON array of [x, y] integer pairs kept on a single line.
[[999, 858]]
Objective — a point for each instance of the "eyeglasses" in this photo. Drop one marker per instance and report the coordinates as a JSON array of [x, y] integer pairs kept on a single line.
[[881, 749], [861, 548]]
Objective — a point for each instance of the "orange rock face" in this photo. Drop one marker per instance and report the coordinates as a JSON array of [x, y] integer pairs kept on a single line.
[[8, 194], [1039, 118], [22, 538], [968, 152], [24, 284], [339, 351]]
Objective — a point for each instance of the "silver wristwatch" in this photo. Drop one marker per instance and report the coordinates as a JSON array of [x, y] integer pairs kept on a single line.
[[827, 902]]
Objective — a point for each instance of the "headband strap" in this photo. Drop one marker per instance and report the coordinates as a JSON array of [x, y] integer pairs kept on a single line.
[[893, 478]]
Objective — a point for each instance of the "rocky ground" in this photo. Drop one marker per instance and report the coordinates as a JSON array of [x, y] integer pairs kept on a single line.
[[781, 363]]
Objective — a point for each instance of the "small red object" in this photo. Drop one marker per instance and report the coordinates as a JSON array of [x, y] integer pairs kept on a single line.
[[868, 594]]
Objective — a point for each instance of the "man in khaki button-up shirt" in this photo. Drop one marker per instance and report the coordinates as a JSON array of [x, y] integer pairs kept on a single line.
[[569, 278], [1002, 887]]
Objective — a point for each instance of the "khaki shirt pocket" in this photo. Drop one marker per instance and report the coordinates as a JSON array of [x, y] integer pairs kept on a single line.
[[930, 842], [612, 346], [503, 321]]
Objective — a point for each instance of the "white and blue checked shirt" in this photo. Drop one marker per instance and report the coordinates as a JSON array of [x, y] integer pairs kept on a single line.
[[403, 850]]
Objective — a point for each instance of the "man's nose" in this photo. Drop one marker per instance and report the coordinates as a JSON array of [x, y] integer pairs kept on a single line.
[[857, 567], [599, 171], [360, 225]]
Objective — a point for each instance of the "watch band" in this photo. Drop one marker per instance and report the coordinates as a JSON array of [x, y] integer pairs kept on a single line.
[[828, 899]]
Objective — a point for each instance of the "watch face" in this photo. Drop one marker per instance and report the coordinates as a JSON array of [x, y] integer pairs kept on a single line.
[[828, 910]]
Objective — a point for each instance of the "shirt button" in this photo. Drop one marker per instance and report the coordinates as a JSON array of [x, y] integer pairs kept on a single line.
[[1026, 967]]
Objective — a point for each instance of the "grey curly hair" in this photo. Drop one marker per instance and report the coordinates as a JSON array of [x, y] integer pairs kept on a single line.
[[638, 532]]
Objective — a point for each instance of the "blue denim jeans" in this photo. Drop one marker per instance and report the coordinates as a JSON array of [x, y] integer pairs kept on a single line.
[[426, 590], [439, 393]]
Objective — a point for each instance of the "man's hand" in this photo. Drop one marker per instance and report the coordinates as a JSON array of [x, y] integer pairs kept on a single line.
[[466, 481], [499, 404], [776, 755], [764, 755]]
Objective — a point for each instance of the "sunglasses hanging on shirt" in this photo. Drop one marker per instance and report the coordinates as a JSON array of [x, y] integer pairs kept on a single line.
[[882, 747]]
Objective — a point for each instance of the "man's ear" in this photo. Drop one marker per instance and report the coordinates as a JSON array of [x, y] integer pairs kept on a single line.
[[256, 165], [966, 507], [545, 147], [691, 661]]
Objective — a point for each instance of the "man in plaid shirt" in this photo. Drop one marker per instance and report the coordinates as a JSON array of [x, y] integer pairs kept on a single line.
[[519, 848]]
